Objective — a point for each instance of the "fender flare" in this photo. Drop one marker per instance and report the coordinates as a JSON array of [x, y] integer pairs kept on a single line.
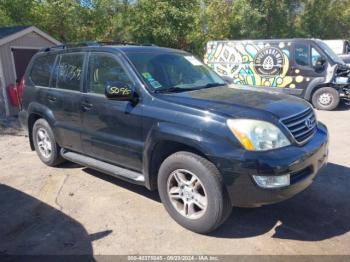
[[39, 109], [169, 132], [44, 112], [313, 85]]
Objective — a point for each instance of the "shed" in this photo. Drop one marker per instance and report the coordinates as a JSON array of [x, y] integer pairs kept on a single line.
[[17, 46]]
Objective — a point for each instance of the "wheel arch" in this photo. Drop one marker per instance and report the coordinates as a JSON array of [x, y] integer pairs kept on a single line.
[[315, 84], [37, 111], [165, 139], [33, 117], [159, 152]]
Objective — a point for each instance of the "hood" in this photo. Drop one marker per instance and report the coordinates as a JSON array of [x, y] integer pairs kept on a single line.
[[345, 58], [237, 101]]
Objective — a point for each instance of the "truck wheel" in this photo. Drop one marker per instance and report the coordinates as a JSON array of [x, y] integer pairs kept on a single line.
[[325, 98], [45, 144], [192, 192]]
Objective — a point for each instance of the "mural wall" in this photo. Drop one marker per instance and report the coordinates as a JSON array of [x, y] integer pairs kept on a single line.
[[252, 63]]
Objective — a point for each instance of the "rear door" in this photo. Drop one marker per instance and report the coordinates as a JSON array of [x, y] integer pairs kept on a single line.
[[64, 99], [112, 129]]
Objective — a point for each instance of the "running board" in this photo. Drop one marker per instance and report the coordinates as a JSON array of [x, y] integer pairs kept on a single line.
[[102, 166]]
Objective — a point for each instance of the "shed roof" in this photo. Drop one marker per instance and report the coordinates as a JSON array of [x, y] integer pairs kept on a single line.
[[6, 31], [7, 34]]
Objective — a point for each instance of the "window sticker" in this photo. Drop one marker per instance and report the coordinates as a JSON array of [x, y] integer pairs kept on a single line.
[[155, 84], [151, 80], [147, 75], [194, 61]]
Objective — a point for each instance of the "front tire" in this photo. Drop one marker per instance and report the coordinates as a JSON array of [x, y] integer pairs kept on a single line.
[[192, 192], [325, 98], [45, 144]]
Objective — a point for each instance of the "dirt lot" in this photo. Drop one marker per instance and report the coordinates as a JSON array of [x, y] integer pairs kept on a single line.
[[72, 209]]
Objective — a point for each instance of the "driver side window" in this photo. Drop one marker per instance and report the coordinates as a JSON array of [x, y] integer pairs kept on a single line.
[[103, 69], [315, 56]]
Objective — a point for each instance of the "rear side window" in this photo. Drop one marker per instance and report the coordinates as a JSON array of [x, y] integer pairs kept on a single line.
[[41, 70], [302, 54], [69, 71]]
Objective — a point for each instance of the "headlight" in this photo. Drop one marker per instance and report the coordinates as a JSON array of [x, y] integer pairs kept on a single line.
[[341, 80], [256, 135]]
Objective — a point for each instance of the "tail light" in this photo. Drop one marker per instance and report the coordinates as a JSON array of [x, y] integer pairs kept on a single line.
[[13, 94]]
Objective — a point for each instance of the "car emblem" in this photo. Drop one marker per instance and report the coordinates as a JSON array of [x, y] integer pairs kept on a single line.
[[308, 123]]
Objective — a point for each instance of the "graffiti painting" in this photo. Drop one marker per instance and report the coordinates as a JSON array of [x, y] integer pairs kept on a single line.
[[248, 63]]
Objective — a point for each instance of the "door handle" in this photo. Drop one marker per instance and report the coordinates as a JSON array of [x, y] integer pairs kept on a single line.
[[85, 106], [51, 98]]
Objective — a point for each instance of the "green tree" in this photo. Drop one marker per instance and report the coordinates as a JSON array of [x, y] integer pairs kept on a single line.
[[325, 19], [177, 23], [60, 18], [5, 20], [218, 18], [105, 20], [164, 22], [263, 18], [121, 21], [11, 14], [68, 20]]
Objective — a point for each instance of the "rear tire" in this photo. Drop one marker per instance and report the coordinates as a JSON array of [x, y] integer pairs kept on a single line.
[[325, 98], [192, 192], [45, 144]]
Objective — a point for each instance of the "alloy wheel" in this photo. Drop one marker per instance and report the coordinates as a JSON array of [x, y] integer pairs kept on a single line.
[[187, 194], [325, 99], [44, 143]]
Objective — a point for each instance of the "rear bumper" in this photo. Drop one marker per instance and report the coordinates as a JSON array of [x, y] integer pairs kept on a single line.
[[302, 163]]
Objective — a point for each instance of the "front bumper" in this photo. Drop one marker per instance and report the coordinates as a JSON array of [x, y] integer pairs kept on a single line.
[[344, 92], [302, 163]]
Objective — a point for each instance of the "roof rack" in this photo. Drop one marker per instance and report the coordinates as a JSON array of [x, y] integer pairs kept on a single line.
[[91, 44]]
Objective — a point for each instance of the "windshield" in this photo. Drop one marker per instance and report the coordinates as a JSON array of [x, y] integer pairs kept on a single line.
[[330, 52], [174, 72]]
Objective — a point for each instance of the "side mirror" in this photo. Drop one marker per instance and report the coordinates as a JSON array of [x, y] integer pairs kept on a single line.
[[320, 64], [119, 91]]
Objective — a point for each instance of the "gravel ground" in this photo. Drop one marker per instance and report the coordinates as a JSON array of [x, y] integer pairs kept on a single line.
[[75, 210]]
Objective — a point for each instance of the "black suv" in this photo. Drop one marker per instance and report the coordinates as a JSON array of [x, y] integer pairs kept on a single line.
[[160, 118]]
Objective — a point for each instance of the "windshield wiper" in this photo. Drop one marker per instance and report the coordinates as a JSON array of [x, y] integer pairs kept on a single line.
[[176, 89], [212, 85]]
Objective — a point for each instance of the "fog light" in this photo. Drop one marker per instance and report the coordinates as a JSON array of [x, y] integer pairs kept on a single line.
[[272, 181]]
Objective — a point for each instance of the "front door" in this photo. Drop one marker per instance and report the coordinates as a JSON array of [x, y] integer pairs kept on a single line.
[[303, 67], [112, 129]]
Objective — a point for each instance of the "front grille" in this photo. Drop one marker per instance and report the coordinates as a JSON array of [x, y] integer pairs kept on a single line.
[[302, 126]]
